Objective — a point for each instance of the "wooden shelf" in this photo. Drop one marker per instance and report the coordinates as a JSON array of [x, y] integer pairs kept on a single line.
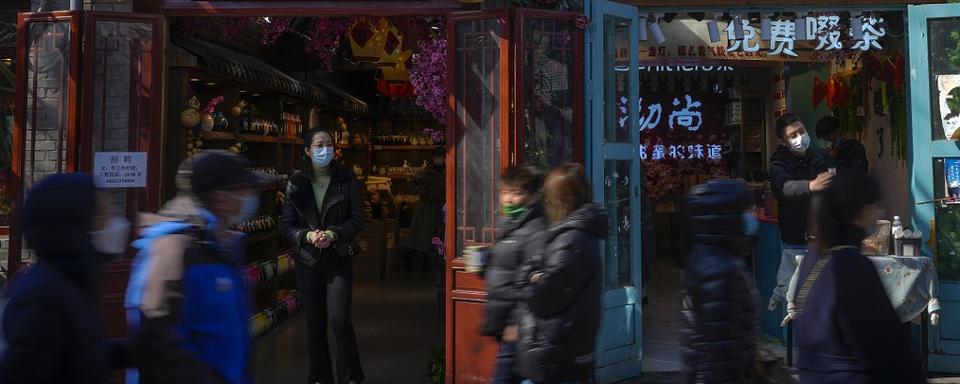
[[354, 147], [405, 147], [230, 136]]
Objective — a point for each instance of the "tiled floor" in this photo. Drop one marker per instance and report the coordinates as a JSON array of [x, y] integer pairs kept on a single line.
[[397, 327], [661, 319]]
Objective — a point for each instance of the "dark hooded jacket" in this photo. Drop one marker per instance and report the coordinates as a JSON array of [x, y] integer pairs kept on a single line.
[[850, 154], [52, 321], [848, 331], [719, 304], [560, 315], [518, 240], [341, 212], [790, 177]]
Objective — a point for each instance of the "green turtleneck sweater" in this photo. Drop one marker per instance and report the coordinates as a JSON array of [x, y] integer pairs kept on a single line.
[[320, 183]]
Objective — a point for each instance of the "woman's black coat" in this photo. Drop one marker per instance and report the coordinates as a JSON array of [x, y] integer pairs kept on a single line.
[[342, 213]]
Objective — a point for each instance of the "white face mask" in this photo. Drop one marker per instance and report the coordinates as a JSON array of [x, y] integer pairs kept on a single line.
[[800, 144], [322, 156], [112, 239]]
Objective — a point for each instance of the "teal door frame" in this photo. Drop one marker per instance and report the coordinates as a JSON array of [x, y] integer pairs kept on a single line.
[[924, 152], [620, 343]]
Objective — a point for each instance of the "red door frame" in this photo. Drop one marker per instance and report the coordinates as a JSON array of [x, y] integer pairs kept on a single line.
[[20, 114], [454, 131]]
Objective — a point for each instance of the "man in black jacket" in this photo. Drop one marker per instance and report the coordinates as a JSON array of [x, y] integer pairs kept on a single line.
[[797, 170], [522, 229], [847, 153], [719, 304]]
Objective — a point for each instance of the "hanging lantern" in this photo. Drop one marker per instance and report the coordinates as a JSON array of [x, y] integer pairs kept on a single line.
[[367, 39], [394, 90]]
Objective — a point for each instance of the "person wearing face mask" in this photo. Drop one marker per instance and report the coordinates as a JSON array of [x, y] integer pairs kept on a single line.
[[322, 215], [52, 322], [847, 153], [797, 170], [520, 237], [718, 299], [187, 300], [847, 328]]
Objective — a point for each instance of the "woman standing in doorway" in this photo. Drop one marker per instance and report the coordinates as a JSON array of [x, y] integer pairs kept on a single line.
[[560, 317], [322, 216], [848, 332]]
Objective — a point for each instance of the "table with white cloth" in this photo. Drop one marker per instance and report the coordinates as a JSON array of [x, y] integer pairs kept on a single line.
[[911, 284]]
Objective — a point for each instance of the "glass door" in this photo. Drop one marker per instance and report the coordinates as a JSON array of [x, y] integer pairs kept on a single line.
[[45, 137], [615, 169], [935, 118]]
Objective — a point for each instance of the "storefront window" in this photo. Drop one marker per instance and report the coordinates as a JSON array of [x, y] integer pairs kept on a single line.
[[616, 122], [548, 91], [120, 91], [478, 124], [616, 188], [944, 48]]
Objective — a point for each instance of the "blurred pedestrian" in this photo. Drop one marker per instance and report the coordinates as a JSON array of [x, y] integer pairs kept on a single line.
[[846, 153], [52, 321], [187, 298], [523, 225], [427, 216], [797, 170], [322, 216], [719, 303], [563, 288], [848, 331]]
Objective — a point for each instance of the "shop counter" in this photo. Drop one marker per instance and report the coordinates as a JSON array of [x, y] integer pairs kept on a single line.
[[766, 261]]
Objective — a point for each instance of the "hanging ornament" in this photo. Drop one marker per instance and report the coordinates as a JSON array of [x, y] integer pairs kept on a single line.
[[367, 38], [191, 116], [394, 90]]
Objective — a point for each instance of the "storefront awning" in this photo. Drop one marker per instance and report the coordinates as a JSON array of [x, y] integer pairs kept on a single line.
[[225, 61]]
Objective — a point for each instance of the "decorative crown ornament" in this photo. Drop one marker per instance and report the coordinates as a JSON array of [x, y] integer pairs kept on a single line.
[[367, 38], [393, 59]]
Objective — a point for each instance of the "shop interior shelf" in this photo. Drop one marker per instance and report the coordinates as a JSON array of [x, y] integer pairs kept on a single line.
[[404, 147], [230, 136]]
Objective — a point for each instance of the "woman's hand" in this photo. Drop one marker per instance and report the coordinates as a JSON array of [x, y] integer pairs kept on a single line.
[[322, 241], [535, 277]]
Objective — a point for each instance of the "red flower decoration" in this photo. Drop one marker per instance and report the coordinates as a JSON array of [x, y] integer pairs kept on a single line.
[[582, 21]]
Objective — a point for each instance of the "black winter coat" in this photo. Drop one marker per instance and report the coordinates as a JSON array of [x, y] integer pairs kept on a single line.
[[848, 331], [519, 239], [718, 301], [790, 177], [52, 322], [560, 317], [342, 213]]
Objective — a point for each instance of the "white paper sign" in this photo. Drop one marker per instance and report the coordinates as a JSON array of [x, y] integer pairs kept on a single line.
[[120, 169], [950, 120]]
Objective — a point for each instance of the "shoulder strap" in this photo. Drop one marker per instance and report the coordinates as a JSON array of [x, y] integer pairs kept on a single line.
[[808, 283]]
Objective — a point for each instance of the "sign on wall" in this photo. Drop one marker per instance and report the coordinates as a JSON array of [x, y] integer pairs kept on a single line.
[[801, 39], [120, 169]]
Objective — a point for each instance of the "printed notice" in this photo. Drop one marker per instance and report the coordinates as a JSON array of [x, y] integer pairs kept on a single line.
[[120, 169]]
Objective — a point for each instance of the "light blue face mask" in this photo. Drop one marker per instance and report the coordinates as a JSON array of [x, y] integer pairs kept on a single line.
[[250, 206], [750, 224], [322, 156]]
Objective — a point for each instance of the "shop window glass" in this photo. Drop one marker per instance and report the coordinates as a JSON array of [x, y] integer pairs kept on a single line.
[[478, 125], [944, 48], [616, 80], [47, 119], [548, 91], [619, 245], [120, 93]]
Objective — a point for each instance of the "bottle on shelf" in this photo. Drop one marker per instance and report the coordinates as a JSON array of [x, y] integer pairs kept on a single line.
[[896, 232]]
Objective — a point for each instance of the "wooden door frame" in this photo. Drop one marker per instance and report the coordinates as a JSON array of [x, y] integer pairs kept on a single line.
[[453, 261], [18, 146]]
